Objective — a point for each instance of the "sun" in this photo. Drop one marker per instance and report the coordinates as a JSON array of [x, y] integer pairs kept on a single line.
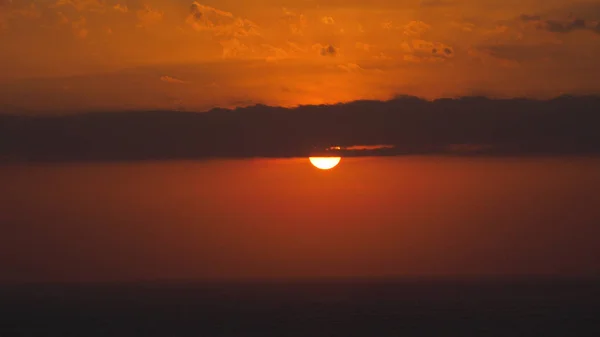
[[325, 163]]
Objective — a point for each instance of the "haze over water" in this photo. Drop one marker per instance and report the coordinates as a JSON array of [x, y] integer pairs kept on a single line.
[[285, 219]]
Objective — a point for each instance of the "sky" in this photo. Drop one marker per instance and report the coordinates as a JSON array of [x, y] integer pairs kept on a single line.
[[283, 218], [82, 55]]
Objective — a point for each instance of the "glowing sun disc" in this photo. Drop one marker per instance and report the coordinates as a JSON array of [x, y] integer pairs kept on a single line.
[[325, 163]]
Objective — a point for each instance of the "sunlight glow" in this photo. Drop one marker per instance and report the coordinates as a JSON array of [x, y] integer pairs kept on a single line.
[[325, 163]]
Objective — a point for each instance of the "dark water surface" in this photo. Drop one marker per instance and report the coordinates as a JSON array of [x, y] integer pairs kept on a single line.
[[334, 308]]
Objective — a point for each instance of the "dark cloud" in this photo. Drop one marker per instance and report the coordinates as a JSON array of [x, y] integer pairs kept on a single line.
[[328, 50], [564, 27], [556, 26], [195, 11], [447, 51], [526, 17], [429, 51], [518, 52], [470, 124], [486, 55]]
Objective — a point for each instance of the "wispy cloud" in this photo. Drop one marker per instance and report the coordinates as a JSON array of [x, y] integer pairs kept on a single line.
[[416, 28], [560, 26], [328, 20], [121, 8], [148, 16], [219, 22], [173, 80], [83, 5]]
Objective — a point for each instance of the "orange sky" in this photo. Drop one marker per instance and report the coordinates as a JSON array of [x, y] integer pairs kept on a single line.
[[74, 55]]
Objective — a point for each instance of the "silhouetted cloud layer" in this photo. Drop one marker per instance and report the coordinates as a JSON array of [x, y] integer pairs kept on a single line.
[[556, 26], [469, 125]]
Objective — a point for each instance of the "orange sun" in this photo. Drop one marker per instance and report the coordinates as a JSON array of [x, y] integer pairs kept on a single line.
[[325, 163]]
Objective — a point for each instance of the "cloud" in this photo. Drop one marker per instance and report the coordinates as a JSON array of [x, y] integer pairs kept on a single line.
[[121, 8], [416, 28], [350, 67], [487, 56], [470, 27], [526, 17], [383, 56], [564, 27], [405, 47], [275, 53], [83, 5], [295, 48], [557, 26], [234, 48], [515, 54], [169, 79], [222, 23], [470, 125], [468, 148], [421, 58], [426, 51], [467, 27], [426, 46], [499, 29], [325, 50], [328, 20], [231, 29], [149, 16], [296, 23]]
